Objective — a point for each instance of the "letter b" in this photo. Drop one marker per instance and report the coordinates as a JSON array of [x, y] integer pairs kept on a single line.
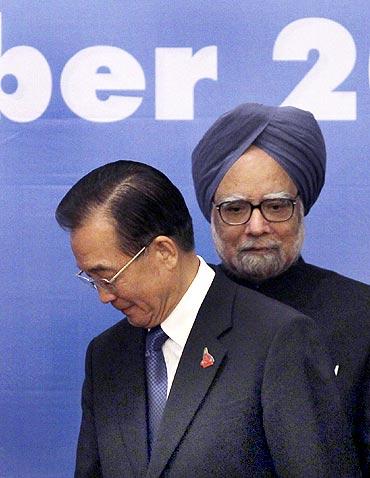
[[34, 83]]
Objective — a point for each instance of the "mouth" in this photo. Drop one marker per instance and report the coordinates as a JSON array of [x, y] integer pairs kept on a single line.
[[259, 250], [125, 309]]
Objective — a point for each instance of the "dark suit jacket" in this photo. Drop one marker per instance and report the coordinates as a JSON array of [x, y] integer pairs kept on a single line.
[[341, 308], [267, 407]]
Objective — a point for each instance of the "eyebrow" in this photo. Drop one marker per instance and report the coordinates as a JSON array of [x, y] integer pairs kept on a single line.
[[233, 197], [97, 269], [279, 195], [238, 197]]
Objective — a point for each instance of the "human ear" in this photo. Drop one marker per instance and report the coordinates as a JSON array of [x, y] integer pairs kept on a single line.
[[166, 251]]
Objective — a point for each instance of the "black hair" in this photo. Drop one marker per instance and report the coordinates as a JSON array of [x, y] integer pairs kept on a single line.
[[140, 200]]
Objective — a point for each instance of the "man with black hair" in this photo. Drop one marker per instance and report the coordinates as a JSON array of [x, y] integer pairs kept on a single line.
[[202, 378]]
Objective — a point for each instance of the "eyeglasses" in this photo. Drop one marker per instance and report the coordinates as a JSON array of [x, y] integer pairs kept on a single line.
[[106, 284], [239, 211]]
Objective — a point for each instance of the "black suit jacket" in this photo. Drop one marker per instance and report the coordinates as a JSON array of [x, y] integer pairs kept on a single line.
[[341, 308], [267, 407]]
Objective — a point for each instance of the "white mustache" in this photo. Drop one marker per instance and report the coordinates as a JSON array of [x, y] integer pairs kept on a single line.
[[258, 244]]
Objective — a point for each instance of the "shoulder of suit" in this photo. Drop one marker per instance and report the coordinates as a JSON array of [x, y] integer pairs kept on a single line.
[[337, 283], [116, 331], [254, 301]]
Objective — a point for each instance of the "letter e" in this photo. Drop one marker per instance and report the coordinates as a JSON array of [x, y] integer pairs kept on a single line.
[[102, 69]]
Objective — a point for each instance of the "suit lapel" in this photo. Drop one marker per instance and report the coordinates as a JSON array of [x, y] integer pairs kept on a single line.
[[128, 389], [192, 382]]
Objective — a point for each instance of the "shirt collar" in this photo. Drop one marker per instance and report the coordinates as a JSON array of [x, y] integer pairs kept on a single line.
[[179, 323]]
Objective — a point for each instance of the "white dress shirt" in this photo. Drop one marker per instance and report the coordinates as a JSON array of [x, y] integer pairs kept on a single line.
[[179, 323]]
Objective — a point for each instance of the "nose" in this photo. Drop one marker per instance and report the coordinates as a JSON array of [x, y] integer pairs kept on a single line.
[[257, 224], [106, 296]]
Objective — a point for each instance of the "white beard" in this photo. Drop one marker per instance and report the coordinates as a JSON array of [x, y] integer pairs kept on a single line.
[[257, 267]]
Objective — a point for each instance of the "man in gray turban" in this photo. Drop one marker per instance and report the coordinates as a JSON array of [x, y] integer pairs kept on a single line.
[[257, 172]]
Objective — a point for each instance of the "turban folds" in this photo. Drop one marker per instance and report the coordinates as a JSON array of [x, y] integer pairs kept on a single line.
[[291, 136]]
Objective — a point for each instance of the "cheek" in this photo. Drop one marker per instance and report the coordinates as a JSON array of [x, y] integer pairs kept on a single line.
[[283, 233], [287, 231], [289, 236], [225, 236], [152, 286]]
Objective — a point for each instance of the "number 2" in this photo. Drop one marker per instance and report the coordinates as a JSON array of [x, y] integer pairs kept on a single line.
[[337, 57]]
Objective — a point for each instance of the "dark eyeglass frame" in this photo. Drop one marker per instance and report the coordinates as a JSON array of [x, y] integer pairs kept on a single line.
[[259, 206]]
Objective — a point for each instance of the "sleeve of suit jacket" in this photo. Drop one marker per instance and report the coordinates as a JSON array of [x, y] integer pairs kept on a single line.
[[87, 461], [362, 420], [306, 430]]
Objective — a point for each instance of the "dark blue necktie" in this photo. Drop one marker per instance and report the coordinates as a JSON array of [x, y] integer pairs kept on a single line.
[[156, 376]]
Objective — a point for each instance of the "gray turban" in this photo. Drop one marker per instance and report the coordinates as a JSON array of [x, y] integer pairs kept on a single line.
[[291, 136]]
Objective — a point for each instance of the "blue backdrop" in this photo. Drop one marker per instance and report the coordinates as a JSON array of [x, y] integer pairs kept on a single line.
[[84, 83]]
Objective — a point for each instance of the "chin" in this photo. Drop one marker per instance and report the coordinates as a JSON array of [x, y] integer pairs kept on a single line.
[[258, 268], [135, 322], [140, 319]]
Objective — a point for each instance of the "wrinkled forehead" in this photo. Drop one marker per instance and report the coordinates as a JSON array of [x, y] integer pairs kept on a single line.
[[255, 175]]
